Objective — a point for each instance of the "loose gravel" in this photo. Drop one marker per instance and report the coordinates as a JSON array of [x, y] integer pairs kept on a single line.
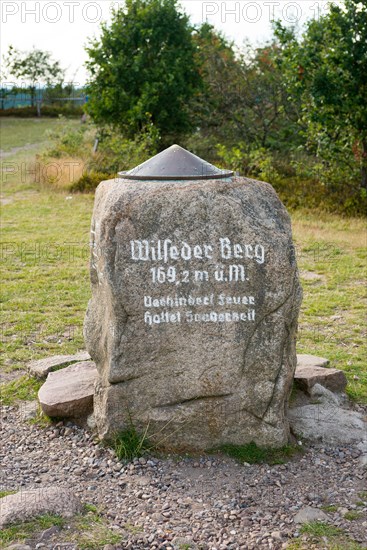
[[207, 502]]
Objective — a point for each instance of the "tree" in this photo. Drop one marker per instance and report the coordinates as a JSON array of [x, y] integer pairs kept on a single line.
[[327, 70], [243, 97], [214, 107], [142, 69], [36, 67]]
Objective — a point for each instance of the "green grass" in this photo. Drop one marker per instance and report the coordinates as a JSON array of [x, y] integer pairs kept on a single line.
[[352, 515], [19, 132], [24, 530], [336, 543], [24, 388], [320, 529], [332, 322], [325, 536], [88, 530], [252, 454], [45, 281], [44, 268], [134, 529], [330, 508], [129, 444]]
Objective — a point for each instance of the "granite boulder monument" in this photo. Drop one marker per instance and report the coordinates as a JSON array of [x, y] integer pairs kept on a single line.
[[195, 299]]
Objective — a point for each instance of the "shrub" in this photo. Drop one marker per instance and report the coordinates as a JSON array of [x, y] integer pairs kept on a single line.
[[52, 111], [301, 180], [88, 182]]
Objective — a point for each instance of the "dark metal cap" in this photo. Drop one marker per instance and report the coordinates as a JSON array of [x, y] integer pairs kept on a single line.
[[175, 163]]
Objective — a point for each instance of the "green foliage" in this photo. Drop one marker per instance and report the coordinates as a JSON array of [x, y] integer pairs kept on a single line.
[[48, 111], [129, 444], [89, 182], [35, 67], [253, 454], [70, 141], [142, 69], [243, 98], [330, 508], [53, 111], [22, 389], [326, 71], [352, 515], [118, 153], [90, 532], [6, 493], [301, 180], [21, 531], [256, 163], [320, 529], [115, 154]]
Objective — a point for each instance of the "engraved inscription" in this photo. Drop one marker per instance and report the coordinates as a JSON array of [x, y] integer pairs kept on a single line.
[[173, 266]]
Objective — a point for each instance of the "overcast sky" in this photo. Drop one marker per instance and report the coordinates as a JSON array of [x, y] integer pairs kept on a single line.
[[64, 26]]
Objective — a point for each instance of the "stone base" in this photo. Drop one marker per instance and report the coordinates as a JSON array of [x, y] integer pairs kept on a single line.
[[306, 376], [68, 393], [198, 424]]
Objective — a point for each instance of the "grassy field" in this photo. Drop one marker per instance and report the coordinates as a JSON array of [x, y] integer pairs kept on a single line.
[[19, 132], [45, 254]]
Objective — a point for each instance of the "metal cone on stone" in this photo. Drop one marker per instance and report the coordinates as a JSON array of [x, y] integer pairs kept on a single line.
[[175, 163]]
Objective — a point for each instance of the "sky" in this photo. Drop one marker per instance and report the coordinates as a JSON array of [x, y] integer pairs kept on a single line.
[[63, 27]]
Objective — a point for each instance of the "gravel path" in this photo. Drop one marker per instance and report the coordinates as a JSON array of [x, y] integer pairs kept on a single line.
[[204, 502]]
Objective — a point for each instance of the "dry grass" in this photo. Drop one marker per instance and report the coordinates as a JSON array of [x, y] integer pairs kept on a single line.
[[330, 228], [58, 173]]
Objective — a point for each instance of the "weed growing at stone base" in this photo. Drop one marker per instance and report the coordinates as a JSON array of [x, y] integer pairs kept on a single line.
[[129, 444], [24, 530], [252, 454], [41, 419], [22, 389]]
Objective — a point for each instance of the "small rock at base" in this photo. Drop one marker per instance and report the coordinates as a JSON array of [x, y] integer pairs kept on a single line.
[[308, 513], [308, 374], [25, 505]]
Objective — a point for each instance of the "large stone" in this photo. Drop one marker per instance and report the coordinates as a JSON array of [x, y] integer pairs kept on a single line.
[[69, 392], [195, 341], [328, 423], [310, 371], [25, 505], [41, 367]]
